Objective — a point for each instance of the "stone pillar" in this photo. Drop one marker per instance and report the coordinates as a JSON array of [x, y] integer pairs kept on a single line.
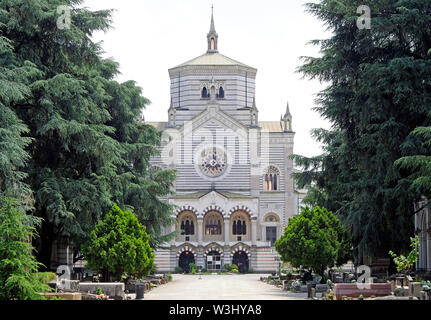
[[226, 255], [253, 231], [226, 231], [200, 230]]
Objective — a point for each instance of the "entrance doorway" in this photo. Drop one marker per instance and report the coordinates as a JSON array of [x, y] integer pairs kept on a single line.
[[186, 258], [240, 258], [213, 261], [271, 235]]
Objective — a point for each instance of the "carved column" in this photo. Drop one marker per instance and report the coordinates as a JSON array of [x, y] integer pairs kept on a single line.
[[253, 231], [200, 230], [226, 231]]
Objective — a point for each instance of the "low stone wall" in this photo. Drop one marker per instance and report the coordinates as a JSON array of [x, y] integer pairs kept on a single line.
[[62, 295], [131, 286], [353, 290], [114, 290]]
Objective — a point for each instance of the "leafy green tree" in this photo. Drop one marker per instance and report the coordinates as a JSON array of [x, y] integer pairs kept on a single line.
[[314, 239], [18, 280], [379, 91], [119, 244], [406, 264], [88, 147]]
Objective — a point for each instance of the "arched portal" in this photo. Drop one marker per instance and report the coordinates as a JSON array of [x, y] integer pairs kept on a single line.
[[240, 258], [185, 259]]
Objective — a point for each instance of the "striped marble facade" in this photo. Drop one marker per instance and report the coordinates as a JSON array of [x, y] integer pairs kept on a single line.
[[237, 214]]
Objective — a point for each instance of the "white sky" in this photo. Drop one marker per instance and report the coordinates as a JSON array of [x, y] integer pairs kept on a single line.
[[151, 36]]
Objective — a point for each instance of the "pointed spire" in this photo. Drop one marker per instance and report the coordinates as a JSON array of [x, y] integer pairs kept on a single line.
[[212, 28], [212, 35], [254, 114], [287, 109], [287, 119]]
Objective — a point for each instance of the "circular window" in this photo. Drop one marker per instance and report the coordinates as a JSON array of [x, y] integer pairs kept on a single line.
[[213, 162]]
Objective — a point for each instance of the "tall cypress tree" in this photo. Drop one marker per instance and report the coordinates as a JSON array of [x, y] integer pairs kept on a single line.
[[89, 150], [379, 91]]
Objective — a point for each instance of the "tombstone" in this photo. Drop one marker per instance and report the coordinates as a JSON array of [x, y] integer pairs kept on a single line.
[[64, 281], [399, 281], [414, 289]]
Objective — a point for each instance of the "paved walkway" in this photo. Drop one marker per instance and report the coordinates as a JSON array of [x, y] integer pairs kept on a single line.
[[219, 287]]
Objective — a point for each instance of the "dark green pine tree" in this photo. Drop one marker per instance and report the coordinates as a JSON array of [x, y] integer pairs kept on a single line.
[[89, 150], [419, 165], [379, 92], [14, 88]]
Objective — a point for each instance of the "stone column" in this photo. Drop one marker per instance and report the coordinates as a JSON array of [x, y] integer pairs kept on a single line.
[[226, 231], [200, 230], [253, 231]]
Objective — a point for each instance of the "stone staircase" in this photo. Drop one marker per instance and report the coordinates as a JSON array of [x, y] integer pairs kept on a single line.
[[267, 260]]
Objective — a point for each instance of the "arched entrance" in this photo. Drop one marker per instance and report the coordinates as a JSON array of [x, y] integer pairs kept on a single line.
[[240, 258], [213, 261], [185, 259]]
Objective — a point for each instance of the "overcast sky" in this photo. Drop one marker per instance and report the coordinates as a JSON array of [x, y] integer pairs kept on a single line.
[[151, 36]]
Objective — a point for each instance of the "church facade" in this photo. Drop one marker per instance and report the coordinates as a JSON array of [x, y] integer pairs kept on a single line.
[[233, 194]]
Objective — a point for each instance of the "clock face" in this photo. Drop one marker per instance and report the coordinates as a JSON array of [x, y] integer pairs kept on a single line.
[[212, 162]]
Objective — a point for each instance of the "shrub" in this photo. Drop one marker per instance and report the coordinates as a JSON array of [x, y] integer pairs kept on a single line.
[[178, 269], [192, 267], [406, 264], [234, 266], [204, 270], [315, 240], [45, 277], [119, 244], [18, 280], [227, 267], [99, 291]]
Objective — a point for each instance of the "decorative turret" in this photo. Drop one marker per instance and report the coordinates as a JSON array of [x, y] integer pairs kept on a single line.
[[254, 114], [212, 35], [287, 120], [172, 116]]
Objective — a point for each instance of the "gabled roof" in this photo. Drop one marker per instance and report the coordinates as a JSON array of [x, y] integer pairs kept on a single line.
[[200, 194], [213, 59]]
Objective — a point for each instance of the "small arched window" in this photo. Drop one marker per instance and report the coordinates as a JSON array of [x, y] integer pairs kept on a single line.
[[213, 224], [220, 93], [212, 44], [271, 179], [239, 225], [187, 226], [205, 93]]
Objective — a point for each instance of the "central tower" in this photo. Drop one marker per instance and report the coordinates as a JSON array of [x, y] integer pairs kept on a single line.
[[212, 79]]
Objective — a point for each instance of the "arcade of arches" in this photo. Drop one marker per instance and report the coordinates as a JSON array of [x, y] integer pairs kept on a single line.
[[223, 239]]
